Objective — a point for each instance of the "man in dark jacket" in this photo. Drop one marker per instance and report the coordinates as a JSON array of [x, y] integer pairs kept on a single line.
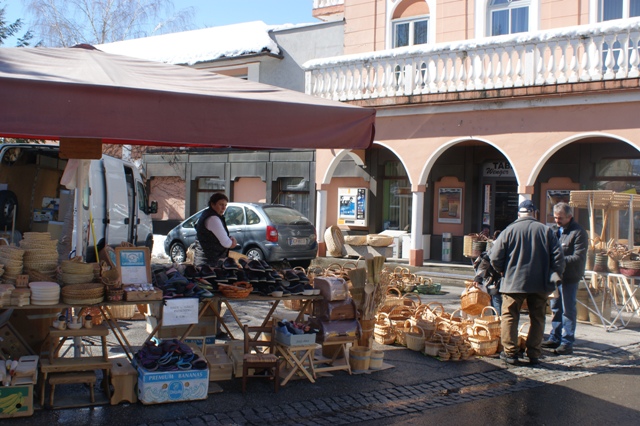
[[575, 243], [526, 253]]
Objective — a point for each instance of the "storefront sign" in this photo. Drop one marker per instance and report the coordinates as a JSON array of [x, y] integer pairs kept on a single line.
[[450, 205], [352, 206], [498, 169]]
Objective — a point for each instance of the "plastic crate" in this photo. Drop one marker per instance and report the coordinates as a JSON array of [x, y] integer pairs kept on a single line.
[[295, 339]]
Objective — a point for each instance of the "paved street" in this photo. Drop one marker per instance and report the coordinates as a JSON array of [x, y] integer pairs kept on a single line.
[[599, 377]]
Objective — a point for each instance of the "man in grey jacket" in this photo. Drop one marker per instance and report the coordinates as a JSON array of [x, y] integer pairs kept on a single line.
[[526, 253], [575, 243]]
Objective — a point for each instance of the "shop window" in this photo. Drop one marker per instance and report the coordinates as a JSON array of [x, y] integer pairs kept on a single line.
[[396, 197], [207, 186], [620, 175], [508, 17], [294, 192], [410, 32]]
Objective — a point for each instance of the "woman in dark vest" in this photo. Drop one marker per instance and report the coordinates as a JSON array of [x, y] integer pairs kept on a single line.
[[213, 241]]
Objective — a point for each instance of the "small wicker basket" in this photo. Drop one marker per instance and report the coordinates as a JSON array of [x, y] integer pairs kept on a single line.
[[355, 240], [377, 240], [239, 290]]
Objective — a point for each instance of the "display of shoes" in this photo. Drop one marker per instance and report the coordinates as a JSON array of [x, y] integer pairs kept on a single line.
[[252, 277], [229, 263], [296, 289], [266, 266], [207, 271], [291, 276], [255, 265]]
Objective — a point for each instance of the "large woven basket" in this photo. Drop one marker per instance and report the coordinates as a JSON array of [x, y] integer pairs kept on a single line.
[[415, 339], [334, 240], [377, 240], [474, 299], [492, 322], [355, 240], [76, 267], [482, 342]]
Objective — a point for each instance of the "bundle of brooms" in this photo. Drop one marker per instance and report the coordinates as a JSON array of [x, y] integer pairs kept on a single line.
[[375, 288]]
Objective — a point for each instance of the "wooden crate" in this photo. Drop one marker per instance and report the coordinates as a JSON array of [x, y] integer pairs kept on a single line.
[[220, 367]]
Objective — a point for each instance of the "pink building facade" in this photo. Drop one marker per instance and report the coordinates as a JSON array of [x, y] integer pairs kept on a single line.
[[480, 105]]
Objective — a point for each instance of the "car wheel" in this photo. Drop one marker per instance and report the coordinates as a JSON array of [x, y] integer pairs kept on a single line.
[[254, 253], [177, 253]]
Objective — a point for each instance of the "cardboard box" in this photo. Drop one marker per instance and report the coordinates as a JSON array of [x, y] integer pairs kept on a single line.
[[295, 339], [16, 401], [52, 227], [156, 387]]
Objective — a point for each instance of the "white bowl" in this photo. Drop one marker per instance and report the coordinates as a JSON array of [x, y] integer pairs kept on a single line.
[[74, 325], [276, 294]]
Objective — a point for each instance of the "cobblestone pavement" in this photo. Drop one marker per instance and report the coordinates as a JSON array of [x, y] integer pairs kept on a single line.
[[393, 401]]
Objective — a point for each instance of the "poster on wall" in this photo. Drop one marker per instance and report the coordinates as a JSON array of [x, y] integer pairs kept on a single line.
[[352, 206], [450, 205], [555, 196]]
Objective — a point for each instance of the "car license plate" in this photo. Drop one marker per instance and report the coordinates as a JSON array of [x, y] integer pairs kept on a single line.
[[298, 241]]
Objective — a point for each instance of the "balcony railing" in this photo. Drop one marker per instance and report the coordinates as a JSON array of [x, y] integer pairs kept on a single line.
[[567, 55]]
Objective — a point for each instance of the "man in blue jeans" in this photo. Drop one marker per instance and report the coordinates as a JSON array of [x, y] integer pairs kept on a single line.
[[575, 242]]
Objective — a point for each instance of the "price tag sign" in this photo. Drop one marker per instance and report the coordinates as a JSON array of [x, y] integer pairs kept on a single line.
[[180, 312]]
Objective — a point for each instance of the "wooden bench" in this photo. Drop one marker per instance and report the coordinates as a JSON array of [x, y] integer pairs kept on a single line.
[[86, 377], [72, 365]]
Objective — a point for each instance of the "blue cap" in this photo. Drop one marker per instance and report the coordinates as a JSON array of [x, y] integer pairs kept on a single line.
[[526, 207]]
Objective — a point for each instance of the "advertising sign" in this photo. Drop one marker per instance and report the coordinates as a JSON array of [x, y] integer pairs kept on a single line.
[[352, 206], [450, 205]]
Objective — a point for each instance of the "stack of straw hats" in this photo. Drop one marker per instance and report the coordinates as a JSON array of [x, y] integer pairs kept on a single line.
[[40, 254], [12, 259], [86, 294], [75, 272]]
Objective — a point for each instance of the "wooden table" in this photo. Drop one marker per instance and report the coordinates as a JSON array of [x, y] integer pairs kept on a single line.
[[214, 302]]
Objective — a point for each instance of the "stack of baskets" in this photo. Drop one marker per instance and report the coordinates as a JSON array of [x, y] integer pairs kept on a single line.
[[40, 254], [383, 331], [83, 294], [12, 259], [482, 342], [75, 272]]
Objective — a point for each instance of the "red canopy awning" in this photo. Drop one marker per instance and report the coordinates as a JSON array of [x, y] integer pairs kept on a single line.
[[53, 93]]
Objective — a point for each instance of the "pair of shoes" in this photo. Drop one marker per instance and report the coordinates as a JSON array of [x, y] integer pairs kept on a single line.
[[550, 344], [532, 361], [509, 359], [230, 264], [564, 350]]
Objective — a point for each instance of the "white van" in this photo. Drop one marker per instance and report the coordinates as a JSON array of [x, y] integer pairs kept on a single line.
[[115, 200]]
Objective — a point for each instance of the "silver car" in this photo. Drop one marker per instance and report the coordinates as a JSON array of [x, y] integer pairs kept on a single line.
[[270, 232]]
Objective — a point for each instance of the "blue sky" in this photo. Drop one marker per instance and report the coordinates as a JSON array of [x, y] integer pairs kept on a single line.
[[213, 13]]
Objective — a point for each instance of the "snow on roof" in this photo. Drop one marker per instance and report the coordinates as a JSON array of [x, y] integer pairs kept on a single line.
[[207, 44]]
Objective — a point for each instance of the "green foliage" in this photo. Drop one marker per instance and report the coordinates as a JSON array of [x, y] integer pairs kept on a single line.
[[8, 30]]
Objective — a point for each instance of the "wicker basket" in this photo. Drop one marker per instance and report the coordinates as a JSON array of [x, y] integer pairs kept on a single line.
[[415, 339], [482, 342], [76, 267], [83, 291], [467, 246], [383, 332], [122, 311], [432, 346], [433, 311], [473, 300], [115, 295], [377, 240], [334, 240], [356, 240], [240, 290], [76, 278], [492, 322]]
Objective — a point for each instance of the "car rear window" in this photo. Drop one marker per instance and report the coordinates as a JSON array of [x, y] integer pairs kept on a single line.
[[285, 216]]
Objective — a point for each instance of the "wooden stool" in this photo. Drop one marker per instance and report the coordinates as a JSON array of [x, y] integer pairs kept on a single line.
[[123, 379], [87, 377]]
